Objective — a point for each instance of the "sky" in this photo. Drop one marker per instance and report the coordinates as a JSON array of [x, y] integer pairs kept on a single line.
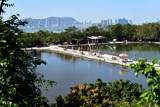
[[139, 11]]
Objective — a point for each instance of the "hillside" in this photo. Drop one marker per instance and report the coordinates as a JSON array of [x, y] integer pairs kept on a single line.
[[52, 22]]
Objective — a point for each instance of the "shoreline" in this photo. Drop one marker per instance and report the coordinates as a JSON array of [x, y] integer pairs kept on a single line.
[[91, 55], [93, 44], [84, 54]]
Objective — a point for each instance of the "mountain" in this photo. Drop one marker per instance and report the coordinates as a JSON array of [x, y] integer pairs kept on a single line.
[[52, 22]]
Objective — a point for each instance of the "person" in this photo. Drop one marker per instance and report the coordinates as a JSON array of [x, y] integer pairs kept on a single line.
[[98, 52], [79, 48]]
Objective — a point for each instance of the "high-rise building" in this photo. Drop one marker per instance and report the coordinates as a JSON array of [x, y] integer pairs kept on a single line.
[[110, 23], [60, 23], [116, 21], [122, 21], [130, 22], [104, 23]]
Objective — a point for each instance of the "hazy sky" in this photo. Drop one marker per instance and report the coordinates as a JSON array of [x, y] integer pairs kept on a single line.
[[88, 10]]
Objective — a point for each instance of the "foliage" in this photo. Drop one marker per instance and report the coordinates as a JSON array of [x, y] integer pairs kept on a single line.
[[101, 94], [128, 31], [92, 31], [152, 95], [117, 32], [20, 83], [73, 35]]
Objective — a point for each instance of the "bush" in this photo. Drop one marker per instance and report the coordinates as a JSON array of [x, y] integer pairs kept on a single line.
[[101, 94]]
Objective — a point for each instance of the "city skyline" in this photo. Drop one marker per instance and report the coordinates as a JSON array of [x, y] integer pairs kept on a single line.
[[139, 11]]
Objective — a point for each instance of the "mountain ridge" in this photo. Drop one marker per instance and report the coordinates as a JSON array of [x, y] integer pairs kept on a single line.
[[51, 22]]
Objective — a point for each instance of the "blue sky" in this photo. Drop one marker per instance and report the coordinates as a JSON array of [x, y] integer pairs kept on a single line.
[[138, 11]]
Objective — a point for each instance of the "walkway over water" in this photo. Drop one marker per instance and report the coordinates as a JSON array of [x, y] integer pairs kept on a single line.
[[110, 42], [91, 55], [95, 44]]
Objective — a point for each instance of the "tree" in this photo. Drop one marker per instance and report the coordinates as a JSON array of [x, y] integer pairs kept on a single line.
[[128, 31], [18, 78], [70, 33], [116, 31], [143, 32], [108, 30], [93, 31], [152, 95], [100, 94], [154, 30]]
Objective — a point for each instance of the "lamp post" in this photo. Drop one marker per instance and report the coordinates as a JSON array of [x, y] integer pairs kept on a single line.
[[134, 54], [112, 49], [143, 52], [89, 49]]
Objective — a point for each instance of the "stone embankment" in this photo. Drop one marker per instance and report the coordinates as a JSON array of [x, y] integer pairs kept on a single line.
[[90, 55]]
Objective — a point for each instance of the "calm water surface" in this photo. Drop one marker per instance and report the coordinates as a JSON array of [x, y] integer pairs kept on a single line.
[[148, 51], [68, 71]]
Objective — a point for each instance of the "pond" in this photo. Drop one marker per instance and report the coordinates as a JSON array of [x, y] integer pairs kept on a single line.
[[69, 71]]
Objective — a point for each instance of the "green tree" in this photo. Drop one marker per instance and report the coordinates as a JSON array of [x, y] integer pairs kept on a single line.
[[20, 83], [70, 34], [117, 32], [93, 31], [154, 29], [128, 31], [108, 30], [143, 32], [101, 94], [152, 95]]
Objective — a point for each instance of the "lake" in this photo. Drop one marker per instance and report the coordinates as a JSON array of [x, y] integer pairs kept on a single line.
[[69, 71]]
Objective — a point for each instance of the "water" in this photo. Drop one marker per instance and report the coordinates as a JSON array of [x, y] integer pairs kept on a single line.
[[68, 71], [147, 51]]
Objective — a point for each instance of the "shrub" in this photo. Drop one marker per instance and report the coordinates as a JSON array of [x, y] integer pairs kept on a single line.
[[101, 94]]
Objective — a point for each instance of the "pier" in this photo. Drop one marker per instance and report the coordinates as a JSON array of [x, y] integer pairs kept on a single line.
[[90, 55]]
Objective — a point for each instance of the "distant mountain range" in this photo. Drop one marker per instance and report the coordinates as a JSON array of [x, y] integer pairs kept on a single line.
[[52, 22]]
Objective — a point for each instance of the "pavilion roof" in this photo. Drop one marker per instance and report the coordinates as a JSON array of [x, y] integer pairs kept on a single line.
[[95, 37]]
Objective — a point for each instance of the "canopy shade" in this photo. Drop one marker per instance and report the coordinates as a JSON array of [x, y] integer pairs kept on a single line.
[[123, 55]]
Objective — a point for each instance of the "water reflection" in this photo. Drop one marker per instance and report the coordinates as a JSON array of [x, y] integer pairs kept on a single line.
[[112, 69], [89, 64], [98, 62], [147, 51], [123, 71], [68, 71], [80, 59], [75, 59]]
